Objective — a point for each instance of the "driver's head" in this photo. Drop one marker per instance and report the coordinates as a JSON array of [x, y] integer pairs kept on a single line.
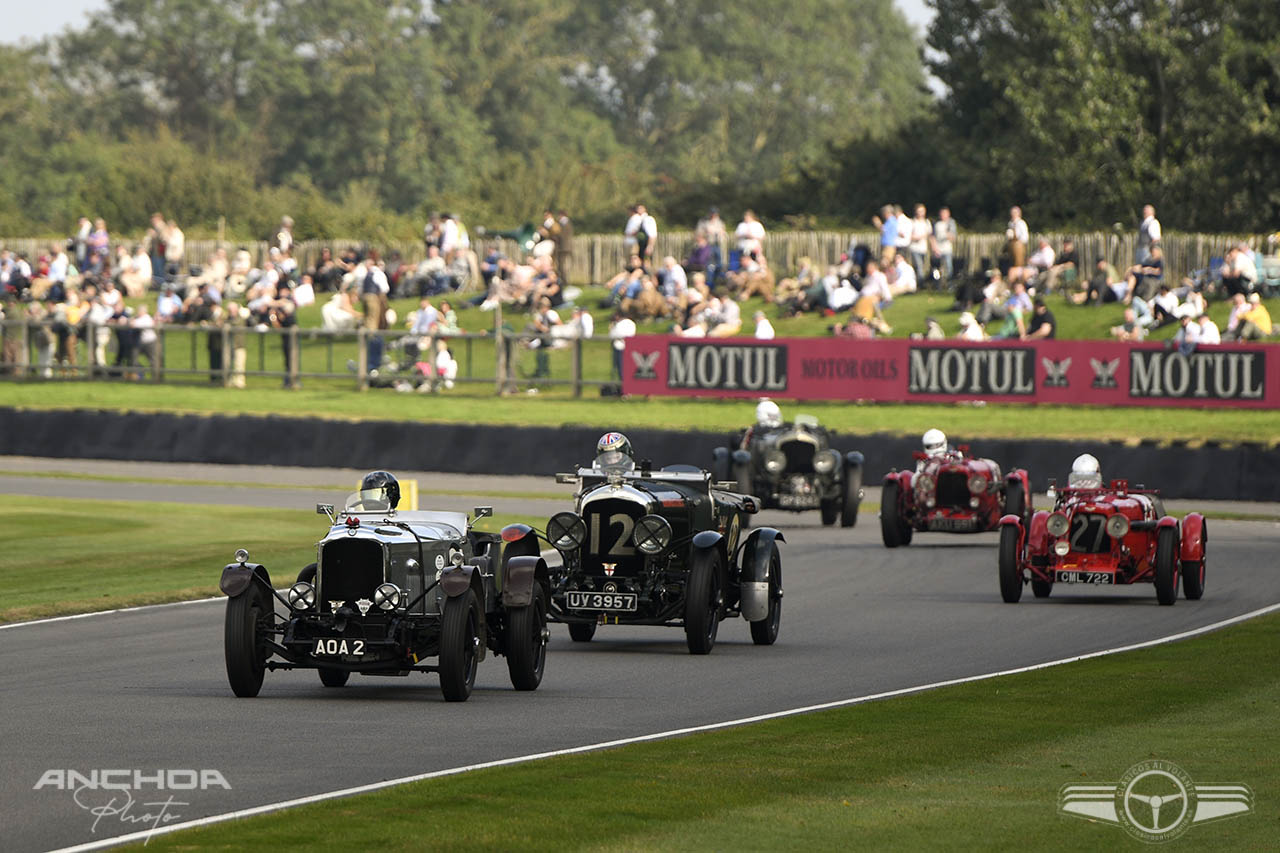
[[768, 414], [935, 442], [613, 453], [379, 490], [1085, 472]]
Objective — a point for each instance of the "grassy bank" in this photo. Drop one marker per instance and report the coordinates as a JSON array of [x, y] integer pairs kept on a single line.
[[77, 556], [550, 409], [974, 766]]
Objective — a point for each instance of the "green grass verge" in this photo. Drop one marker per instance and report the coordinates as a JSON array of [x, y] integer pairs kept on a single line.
[[558, 409], [970, 767], [59, 557]]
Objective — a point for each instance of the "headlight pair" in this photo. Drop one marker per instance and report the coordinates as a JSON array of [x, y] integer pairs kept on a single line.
[[567, 531]]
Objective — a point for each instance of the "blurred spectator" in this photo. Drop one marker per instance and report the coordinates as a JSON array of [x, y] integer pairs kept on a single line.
[[1144, 279], [1148, 234], [423, 322], [545, 319], [175, 251], [1163, 306], [326, 273], [901, 277], [1253, 323], [887, 224], [168, 305], [1186, 338], [431, 276], [712, 228], [750, 235], [621, 327], [564, 246], [99, 245], [764, 329], [647, 304], [903, 243], [339, 314], [673, 281], [1239, 272], [1065, 268], [640, 232], [1042, 325], [1103, 285], [970, 330], [856, 327], [918, 247], [83, 229], [753, 277], [700, 256], [283, 238], [446, 366], [433, 232], [790, 289], [1017, 236], [725, 321], [145, 326], [447, 323], [1129, 330], [1209, 333], [875, 287], [41, 336], [943, 244]]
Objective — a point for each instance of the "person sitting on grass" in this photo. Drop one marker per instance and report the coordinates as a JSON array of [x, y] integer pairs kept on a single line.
[[1130, 330]]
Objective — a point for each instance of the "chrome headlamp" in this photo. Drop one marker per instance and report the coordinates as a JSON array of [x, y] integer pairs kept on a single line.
[[242, 556], [826, 461], [387, 596], [653, 534], [924, 483], [566, 531], [1117, 526], [302, 596], [1058, 524], [1061, 548], [977, 484], [775, 461]]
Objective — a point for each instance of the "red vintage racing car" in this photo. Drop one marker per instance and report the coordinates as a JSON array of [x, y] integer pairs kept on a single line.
[[950, 491], [1103, 535]]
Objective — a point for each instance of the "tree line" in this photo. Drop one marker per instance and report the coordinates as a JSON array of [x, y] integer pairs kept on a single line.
[[357, 117]]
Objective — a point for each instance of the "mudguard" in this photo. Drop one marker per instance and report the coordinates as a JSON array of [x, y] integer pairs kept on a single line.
[[854, 458], [1193, 538], [707, 539], [515, 532], [1167, 521], [236, 578], [1012, 520], [519, 575], [1019, 475], [456, 580], [742, 457], [524, 544], [1037, 544], [754, 576]]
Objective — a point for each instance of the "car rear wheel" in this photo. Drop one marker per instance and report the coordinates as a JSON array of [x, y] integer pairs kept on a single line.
[[1193, 570], [765, 631], [1010, 572], [830, 509], [582, 632], [852, 496], [1039, 588], [892, 529], [1166, 563], [331, 677], [527, 642], [245, 640], [459, 646], [703, 602]]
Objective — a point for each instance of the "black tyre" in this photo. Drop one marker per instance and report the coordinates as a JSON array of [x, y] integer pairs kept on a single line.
[[890, 523], [1015, 501], [852, 496], [459, 646], [1193, 570], [830, 509], [308, 574], [1041, 589], [703, 602], [245, 640], [765, 631], [1010, 573], [331, 677], [582, 632], [527, 642], [1167, 566]]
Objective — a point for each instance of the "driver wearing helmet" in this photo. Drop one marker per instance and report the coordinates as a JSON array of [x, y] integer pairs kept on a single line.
[[1085, 473], [379, 491], [935, 442], [768, 416], [613, 454]]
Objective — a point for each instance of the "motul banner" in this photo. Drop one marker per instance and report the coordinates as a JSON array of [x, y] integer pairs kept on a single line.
[[896, 370]]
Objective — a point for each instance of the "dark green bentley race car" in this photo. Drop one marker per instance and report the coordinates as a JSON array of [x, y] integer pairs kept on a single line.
[[657, 547]]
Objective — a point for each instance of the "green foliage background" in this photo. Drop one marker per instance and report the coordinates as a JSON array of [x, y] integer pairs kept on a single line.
[[360, 116]]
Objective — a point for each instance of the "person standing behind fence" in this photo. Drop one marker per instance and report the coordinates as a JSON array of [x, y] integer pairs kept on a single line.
[[887, 223], [942, 245], [564, 247], [1148, 234], [921, 232]]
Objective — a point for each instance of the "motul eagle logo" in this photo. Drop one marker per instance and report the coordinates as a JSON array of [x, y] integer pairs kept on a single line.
[[644, 362], [1055, 372]]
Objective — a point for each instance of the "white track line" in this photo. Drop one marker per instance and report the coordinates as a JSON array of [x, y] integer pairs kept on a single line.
[[107, 612], [522, 759]]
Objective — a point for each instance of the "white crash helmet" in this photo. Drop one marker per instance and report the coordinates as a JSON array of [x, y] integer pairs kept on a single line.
[[768, 414], [1085, 472], [935, 442]]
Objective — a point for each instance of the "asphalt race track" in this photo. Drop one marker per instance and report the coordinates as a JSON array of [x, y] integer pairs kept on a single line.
[[146, 689]]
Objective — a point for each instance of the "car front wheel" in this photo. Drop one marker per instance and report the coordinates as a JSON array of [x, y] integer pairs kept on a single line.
[[703, 600], [244, 640], [459, 646], [1010, 572], [1193, 570], [891, 526], [765, 631], [852, 496], [527, 642], [1166, 566]]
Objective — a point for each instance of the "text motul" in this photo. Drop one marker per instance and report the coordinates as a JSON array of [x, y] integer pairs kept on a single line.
[[1213, 375], [972, 370], [727, 367]]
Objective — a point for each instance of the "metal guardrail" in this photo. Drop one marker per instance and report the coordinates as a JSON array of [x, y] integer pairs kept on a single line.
[[46, 350]]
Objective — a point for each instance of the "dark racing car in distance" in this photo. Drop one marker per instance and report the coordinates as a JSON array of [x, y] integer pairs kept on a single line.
[[657, 547], [388, 591], [951, 492], [1104, 535], [792, 466]]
